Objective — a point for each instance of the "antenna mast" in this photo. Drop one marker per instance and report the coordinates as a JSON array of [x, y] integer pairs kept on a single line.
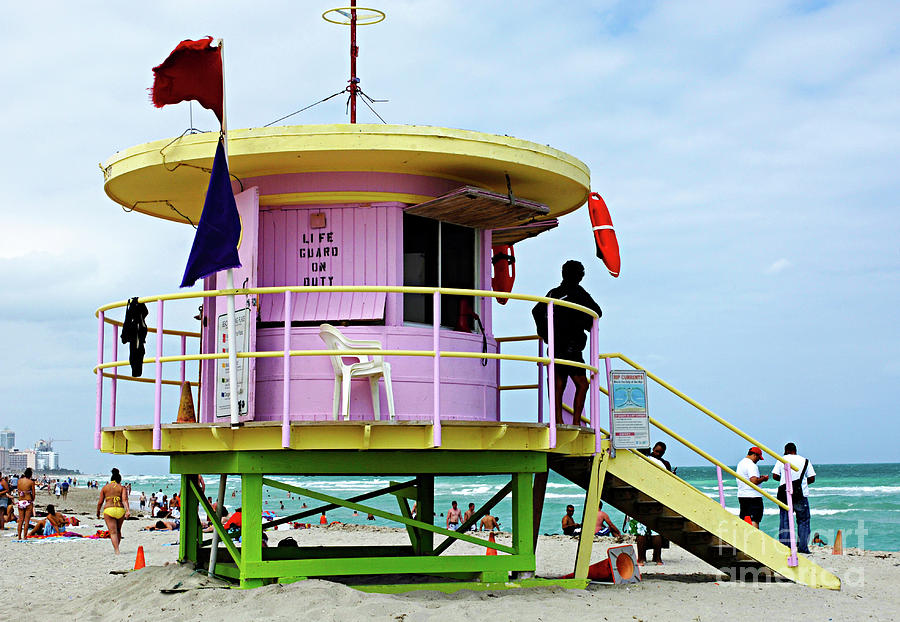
[[353, 16]]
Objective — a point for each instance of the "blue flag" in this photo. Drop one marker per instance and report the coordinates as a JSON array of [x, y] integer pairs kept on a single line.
[[219, 230]]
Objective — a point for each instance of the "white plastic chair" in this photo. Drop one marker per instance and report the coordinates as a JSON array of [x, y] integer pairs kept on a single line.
[[364, 367]]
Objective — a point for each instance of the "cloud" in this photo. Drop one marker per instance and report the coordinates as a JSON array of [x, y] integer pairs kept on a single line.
[[778, 265]]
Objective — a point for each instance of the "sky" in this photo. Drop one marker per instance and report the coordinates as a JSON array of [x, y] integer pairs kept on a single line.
[[748, 153]]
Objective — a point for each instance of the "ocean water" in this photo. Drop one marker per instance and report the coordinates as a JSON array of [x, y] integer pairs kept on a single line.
[[863, 500]]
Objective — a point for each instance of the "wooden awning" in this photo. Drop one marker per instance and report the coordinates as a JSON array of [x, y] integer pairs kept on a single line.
[[511, 235], [480, 209]]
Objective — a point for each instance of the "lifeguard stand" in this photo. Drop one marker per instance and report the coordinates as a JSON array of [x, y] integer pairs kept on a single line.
[[386, 232]]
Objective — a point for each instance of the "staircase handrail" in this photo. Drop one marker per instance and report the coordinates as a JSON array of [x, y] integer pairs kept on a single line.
[[693, 448], [700, 407]]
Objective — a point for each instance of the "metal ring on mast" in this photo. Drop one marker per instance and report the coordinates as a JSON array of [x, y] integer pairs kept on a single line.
[[368, 18]]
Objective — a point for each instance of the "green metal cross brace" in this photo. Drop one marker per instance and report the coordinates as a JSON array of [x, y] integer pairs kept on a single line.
[[386, 515], [330, 506], [497, 498], [217, 524]]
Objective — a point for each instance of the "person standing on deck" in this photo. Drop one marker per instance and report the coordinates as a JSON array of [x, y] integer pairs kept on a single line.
[[569, 335], [807, 474], [750, 500]]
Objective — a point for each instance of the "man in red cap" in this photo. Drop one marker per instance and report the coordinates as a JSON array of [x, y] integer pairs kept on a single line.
[[749, 499]]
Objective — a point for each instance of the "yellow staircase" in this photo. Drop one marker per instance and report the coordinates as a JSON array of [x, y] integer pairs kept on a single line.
[[670, 506]]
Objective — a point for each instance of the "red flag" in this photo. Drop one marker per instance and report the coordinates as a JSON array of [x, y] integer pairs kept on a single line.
[[192, 71]]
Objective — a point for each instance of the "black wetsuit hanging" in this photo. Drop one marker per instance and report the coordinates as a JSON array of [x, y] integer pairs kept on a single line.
[[134, 333]]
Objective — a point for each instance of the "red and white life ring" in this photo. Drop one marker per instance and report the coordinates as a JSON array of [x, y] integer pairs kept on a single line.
[[504, 262], [604, 234]]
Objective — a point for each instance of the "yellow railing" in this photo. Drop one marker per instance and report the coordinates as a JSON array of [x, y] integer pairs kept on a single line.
[[435, 354]]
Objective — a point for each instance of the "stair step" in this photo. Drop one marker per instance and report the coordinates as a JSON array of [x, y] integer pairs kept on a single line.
[[691, 526], [622, 493], [722, 550], [643, 508], [671, 523], [695, 538]]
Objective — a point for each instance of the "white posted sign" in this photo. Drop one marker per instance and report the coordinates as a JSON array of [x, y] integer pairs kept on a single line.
[[242, 343], [629, 416]]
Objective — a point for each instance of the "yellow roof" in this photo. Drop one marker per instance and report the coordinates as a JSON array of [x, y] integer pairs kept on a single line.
[[163, 176]]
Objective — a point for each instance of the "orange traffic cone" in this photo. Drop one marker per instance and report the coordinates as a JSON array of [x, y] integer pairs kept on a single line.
[[491, 539], [139, 560], [323, 520], [748, 520], [838, 548]]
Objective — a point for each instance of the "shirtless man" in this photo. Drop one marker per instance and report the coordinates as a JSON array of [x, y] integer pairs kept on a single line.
[[54, 523], [469, 512], [453, 516], [569, 526], [115, 511], [603, 517], [490, 523], [25, 503]]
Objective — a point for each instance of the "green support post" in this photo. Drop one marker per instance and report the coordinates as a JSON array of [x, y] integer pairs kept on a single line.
[[190, 533], [425, 512], [251, 525], [523, 511]]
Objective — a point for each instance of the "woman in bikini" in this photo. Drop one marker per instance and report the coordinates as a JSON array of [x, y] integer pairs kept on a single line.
[[25, 503], [114, 504]]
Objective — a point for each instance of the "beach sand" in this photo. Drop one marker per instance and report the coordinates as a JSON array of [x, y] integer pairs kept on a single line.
[[71, 579]]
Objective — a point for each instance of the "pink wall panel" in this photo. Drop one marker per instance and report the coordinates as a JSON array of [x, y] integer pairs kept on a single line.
[[353, 249], [468, 390]]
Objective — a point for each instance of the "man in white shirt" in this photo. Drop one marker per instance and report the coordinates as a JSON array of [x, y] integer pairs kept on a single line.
[[750, 500], [807, 474]]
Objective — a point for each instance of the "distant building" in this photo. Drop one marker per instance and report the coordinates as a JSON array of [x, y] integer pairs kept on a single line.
[[7, 439], [46, 460], [18, 461]]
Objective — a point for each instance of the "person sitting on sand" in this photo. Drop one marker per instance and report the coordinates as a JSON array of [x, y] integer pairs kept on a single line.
[[27, 493], [234, 521], [114, 510], [53, 524], [490, 523], [569, 526], [603, 517], [818, 541], [208, 528]]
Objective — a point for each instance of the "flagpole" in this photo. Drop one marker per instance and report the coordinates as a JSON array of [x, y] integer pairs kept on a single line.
[[232, 350], [229, 280]]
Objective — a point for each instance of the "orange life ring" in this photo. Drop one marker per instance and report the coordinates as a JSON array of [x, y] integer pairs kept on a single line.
[[504, 262], [604, 234]]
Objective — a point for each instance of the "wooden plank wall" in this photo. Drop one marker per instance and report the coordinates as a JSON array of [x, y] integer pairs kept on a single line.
[[358, 246]]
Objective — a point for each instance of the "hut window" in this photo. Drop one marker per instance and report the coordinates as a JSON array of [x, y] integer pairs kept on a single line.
[[436, 254]]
